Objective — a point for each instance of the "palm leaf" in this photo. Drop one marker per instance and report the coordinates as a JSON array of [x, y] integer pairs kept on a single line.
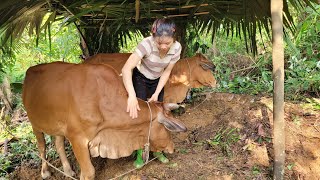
[[119, 18]]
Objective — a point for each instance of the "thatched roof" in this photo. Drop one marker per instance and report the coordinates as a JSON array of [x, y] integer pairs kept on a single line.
[[115, 19]]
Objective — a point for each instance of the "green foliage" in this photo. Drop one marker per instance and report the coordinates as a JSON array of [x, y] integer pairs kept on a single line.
[[315, 103], [307, 36], [131, 43], [254, 80], [302, 75], [256, 170], [296, 120], [302, 72], [23, 148], [64, 47], [224, 139], [290, 166], [196, 42]]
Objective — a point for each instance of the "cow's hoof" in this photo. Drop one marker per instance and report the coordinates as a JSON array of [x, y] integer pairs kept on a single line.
[[70, 172], [160, 156], [45, 174]]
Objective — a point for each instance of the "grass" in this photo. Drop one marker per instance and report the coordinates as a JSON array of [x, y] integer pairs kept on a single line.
[[224, 139], [22, 149]]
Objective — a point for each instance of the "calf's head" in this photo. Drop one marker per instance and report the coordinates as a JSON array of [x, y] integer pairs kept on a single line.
[[160, 138]]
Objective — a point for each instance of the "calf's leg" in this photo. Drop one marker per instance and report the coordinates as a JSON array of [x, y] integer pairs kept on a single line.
[[45, 173], [63, 157]]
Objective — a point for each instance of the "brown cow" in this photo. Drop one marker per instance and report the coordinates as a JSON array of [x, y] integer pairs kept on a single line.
[[193, 72], [86, 103]]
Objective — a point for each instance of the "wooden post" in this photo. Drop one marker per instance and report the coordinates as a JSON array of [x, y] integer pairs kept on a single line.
[[278, 89]]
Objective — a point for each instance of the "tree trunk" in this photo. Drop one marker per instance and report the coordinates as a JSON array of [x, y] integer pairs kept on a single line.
[[278, 91], [101, 41], [181, 37], [98, 40]]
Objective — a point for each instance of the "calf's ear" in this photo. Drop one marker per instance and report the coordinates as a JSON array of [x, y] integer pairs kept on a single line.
[[173, 125], [206, 66]]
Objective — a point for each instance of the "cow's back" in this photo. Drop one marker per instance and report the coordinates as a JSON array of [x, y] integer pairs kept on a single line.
[[116, 60], [62, 98]]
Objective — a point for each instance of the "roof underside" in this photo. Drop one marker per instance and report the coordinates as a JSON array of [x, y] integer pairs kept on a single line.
[[246, 17]]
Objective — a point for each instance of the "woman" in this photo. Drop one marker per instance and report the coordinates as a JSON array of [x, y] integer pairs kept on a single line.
[[148, 69]]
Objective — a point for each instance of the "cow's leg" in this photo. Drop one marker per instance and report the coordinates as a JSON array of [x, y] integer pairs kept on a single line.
[[42, 150], [63, 157], [81, 151]]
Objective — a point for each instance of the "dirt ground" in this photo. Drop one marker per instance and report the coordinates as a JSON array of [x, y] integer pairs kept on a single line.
[[229, 137]]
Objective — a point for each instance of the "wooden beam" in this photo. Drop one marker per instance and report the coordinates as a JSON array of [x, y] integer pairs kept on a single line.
[[175, 15], [137, 7], [182, 7], [278, 89]]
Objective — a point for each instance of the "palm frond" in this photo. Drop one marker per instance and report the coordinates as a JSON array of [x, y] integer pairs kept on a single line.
[[108, 23]]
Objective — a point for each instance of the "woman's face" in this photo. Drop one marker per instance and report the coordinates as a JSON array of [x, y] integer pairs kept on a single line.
[[163, 43]]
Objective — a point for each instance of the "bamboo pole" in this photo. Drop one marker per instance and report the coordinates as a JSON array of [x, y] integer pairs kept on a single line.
[[278, 89]]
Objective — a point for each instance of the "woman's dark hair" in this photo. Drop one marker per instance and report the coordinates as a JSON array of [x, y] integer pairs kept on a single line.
[[163, 27]]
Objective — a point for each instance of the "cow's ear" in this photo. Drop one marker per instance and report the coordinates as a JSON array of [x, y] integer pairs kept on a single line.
[[203, 58], [173, 125], [198, 55], [207, 66], [170, 106]]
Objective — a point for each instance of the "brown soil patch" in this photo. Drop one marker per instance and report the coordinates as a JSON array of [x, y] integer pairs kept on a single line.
[[229, 137]]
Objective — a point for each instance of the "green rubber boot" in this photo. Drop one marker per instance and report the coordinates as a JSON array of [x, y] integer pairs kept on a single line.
[[160, 156], [138, 163]]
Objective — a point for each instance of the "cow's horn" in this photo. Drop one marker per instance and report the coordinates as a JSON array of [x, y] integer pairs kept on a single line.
[[170, 106]]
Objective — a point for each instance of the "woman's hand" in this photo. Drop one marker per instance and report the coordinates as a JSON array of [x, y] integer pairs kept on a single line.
[[153, 98], [133, 107], [132, 104]]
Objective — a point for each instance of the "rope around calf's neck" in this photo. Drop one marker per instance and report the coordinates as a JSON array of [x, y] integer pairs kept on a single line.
[[147, 145], [189, 85]]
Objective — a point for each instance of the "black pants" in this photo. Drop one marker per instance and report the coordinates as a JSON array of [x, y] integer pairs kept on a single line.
[[145, 87]]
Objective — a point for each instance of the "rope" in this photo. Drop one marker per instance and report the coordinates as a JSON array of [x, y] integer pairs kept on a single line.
[[29, 149], [189, 85], [55, 167], [131, 170], [147, 145], [189, 73], [199, 103], [123, 174]]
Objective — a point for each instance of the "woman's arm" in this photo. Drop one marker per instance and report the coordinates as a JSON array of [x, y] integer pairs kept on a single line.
[[132, 106], [162, 82]]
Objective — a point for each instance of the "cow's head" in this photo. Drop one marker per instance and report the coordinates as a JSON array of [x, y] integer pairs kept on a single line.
[[202, 73], [162, 127]]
